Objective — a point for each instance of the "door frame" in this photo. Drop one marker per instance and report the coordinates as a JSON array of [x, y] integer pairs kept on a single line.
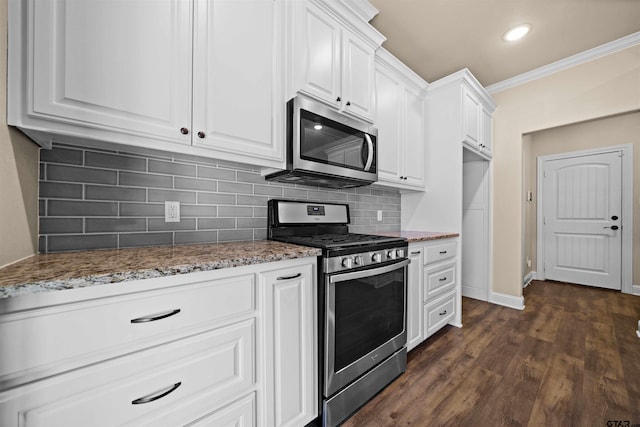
[[626, 269]]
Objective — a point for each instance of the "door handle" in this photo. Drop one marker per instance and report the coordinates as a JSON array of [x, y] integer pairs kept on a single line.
[[613, 227], [370, 153]]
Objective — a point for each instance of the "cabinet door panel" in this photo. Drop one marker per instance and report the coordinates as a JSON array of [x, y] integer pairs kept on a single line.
[[487, 122], [414, 147], [237, 106], [357, 78], [321, 53], [388, 122], [117, 65], [414, 299], [470, 119], [291, 353]]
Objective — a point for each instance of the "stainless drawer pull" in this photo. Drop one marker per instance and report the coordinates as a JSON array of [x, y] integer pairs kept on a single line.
[[156, 395], [443, 313], [415, 253], [289, 277], [442, 279], [443, 252], [155, 317]]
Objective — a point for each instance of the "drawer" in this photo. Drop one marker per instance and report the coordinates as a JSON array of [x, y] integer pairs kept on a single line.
[[438, 280], [439, 252], [72, 335], [438, 313], [167, 385], [240, 413]]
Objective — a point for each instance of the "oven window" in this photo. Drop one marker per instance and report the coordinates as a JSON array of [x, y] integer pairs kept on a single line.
[[326, 141], [368, 312]]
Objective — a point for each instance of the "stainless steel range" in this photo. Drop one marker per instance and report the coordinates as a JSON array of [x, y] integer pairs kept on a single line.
[[361, 303]]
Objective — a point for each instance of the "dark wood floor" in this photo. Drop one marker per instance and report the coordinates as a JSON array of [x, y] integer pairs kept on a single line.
[[571, 358]]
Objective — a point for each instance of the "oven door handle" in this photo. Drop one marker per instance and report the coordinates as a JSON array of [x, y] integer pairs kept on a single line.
[[368, 273]]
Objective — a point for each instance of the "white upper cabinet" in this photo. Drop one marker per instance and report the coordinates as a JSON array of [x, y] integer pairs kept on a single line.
[[476, 122], [116, 66], [400, 119], [177, 75], [238, 103], [334, 61]]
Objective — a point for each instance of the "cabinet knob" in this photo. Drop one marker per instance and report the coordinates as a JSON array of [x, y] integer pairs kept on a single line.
[[201, 134], [184, 131], [348, 103], [338, 99]]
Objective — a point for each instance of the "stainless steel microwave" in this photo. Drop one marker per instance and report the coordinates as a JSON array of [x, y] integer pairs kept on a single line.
[[327, 148]]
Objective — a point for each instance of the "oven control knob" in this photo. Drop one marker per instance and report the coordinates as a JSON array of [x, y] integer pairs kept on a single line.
[[346, 262], [358, 260], [376, 257], [400, 253], [391, 254]]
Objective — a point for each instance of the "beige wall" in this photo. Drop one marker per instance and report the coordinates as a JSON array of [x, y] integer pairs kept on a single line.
[[616, 130], [18, 176], [600, 88]]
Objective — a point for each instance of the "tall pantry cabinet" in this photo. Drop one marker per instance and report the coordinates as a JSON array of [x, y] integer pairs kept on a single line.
[[457, 198]]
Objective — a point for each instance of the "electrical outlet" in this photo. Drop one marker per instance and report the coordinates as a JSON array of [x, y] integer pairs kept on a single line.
[[171, 211], [379, 215]]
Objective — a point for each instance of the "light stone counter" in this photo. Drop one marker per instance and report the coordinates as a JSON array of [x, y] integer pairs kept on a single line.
[[70, 270], [418, 236]]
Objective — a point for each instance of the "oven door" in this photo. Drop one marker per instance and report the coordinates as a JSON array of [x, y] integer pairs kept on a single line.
[[365, 321]]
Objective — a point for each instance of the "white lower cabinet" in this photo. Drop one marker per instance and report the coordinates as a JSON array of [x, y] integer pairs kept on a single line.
[[414, 297], [249, 360], [433, 295], [290, 362]]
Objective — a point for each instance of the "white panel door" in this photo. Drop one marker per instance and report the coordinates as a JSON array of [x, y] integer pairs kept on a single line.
[[321, 56], [582, 219], [415, 300], [413, 150], [238, 102], [388, 120], [115, 65], [357, 77], [475, 203]]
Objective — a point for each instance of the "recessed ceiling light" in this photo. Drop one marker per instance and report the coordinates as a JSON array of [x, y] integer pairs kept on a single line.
[[516, 33]]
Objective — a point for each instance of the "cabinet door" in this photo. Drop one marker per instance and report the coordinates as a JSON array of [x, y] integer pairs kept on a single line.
[[388, 121], [321, 56], [414, 160], [487, 122], [238, 107], [290, 345], [470, 118], [414, 298], [122, 66], [357, 76]]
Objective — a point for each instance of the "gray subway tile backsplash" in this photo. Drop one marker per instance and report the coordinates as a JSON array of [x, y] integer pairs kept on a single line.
[[114, 197]]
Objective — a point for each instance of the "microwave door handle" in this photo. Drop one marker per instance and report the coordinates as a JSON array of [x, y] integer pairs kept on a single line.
[[367, 166]]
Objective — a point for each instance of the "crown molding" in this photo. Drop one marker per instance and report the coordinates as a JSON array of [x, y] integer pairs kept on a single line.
[[566, 63]]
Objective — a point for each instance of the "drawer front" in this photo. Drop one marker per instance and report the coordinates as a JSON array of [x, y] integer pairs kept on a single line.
[[240, 413], [439, 313], [185, 380], [439, 252], [69, 336], [439, 280]]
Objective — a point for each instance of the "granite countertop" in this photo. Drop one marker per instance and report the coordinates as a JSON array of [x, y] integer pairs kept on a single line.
[[69, 270], [419, 236]]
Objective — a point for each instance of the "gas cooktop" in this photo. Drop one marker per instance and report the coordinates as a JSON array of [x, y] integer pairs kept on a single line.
[[337, 240]]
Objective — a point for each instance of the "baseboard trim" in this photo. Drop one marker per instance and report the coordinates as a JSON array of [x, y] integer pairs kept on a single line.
[[635, 290], [528, 278], [507, 300]]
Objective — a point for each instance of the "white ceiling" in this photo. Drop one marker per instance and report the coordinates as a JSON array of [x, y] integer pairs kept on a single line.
[[438, 37]]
